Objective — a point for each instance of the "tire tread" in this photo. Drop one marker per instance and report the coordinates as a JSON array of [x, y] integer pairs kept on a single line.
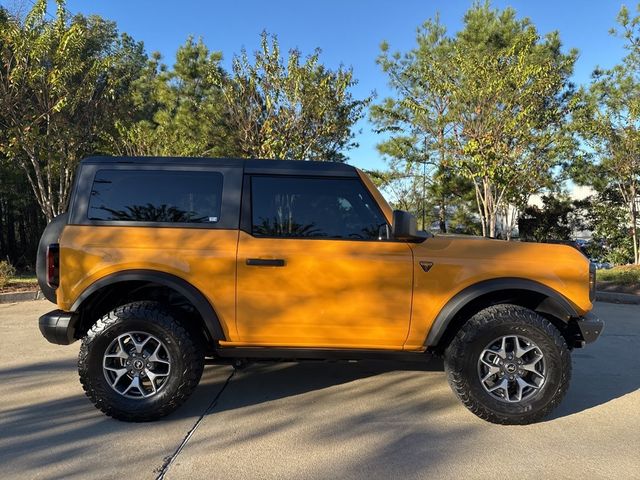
[[492, 317], [192, 356]]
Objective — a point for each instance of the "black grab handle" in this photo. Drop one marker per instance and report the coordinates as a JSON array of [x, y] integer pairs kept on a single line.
[[265, 262]]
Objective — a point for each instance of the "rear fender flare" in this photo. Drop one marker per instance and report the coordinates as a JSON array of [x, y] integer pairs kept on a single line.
[[197, 298]]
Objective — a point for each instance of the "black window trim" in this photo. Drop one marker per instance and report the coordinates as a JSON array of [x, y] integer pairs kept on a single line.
[[229, 207], [246, 215]]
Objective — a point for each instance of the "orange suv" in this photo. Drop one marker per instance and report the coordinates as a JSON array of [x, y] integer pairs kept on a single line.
[[163, 264]]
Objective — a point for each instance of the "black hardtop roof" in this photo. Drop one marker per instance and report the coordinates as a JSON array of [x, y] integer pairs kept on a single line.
[[285, 167]]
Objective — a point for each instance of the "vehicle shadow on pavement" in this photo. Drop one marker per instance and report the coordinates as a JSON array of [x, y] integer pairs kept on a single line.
[[69, 364], [49, 429], [275, 380], [395, 419]]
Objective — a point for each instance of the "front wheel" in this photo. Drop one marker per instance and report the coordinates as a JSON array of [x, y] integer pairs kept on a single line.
[[509, 365], [137, 363]]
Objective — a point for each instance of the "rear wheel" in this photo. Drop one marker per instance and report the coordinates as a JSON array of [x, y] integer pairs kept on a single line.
[[137, 363], [509, 365]]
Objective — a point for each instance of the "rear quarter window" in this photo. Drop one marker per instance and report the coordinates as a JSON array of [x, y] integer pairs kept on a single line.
[[165, 196]]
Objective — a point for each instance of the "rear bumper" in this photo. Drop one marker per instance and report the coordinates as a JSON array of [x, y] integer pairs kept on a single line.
[[58, 327], [588, 328]]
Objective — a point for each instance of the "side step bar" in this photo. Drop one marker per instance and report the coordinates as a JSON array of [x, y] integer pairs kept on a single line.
[[274, 353]]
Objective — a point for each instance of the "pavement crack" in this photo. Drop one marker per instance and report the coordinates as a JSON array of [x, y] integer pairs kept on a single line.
[[168, 461]]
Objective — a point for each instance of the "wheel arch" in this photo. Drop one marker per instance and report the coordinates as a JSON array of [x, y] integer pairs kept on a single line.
[[519, 291], [153, 279]]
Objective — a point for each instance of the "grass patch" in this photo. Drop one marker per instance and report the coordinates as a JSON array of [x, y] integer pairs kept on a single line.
[[624, 275], [28, 278], [20, 283]]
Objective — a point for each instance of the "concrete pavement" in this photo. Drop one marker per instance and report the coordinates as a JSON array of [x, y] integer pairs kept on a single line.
[[315, 420]]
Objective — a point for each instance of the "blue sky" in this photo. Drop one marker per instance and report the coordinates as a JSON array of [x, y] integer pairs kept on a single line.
[[349, 32]]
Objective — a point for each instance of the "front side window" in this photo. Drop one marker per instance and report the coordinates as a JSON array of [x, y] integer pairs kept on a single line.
[[300, 207], [156, 196]]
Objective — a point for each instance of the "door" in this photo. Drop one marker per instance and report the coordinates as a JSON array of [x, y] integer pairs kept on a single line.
[[314, 271]]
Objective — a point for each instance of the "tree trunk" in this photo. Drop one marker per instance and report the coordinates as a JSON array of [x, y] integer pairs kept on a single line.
[[492, 224], [489, 208], [442, 215], [634, 226], [2, 229], [11, 233]]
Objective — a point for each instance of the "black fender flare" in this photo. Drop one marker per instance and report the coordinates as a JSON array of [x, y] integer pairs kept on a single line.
[[554, 304], [191, 293]]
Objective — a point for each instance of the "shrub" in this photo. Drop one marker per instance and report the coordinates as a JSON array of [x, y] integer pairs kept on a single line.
[[6, 272], [624, 275]]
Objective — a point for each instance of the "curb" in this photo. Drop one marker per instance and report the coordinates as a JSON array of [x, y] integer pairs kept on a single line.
[[20, 296], [612, 297]]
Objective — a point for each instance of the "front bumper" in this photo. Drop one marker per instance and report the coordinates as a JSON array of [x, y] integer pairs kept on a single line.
[[587, 328], [59, 327]]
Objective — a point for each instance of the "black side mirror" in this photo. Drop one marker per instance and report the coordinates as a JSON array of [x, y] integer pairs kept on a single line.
[[405, 227]]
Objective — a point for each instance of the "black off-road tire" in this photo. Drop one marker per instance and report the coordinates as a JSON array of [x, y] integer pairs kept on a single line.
[[462, 355], [187, 362]]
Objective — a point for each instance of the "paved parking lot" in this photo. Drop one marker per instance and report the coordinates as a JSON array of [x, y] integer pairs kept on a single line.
[[315, 420]]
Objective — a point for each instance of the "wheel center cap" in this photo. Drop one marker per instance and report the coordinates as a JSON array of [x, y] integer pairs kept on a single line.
[[138, 364], [511, 367]]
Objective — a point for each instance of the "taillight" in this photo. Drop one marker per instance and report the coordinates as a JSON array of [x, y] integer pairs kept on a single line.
[[53, 265], [592, 282]]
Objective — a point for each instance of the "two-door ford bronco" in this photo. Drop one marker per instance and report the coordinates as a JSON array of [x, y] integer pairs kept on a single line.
[[163, 264]]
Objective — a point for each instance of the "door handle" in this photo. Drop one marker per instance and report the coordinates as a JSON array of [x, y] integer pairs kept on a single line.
[[265, 262]]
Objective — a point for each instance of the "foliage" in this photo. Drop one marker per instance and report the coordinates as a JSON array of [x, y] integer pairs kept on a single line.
[[74, 86], [293, 108], [558, 219], [623, 275], [511, 97], [178, 112], [491, 102], [435, 198], [608, 122], [607, 219], [59, 80], [6, 272], [417, 121]]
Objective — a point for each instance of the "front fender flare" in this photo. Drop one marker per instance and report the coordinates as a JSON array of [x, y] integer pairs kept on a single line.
[[555, 303]]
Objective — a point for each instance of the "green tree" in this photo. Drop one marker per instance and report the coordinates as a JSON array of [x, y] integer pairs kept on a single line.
[[608, 121], [411, 190], [510, 99], [59, 86], [607, 219], [488, 104], [417, 119], [293, 108], [558, 219], [178, 111]]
